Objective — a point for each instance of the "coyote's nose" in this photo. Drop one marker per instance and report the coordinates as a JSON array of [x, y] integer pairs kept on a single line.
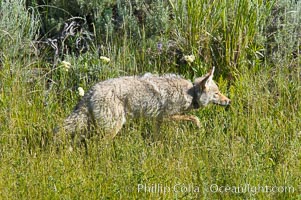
[[229, 101], [226, 102]]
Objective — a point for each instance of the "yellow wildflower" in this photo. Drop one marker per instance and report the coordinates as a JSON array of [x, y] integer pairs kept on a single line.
[[189, 59], [66, 65], [105, 59]]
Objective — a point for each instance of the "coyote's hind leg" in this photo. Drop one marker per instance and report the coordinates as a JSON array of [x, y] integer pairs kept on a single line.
[[114, 125]]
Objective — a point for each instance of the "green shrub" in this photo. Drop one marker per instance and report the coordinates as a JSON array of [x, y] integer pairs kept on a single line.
[[284, 33], [19, 28]]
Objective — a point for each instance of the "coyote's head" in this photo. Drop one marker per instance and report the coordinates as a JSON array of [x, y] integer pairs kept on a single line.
[[206, 91]]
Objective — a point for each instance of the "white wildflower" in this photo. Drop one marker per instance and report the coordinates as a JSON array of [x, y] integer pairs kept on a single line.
[[81, 91], [66, 65], [105, 59], [189, 59]]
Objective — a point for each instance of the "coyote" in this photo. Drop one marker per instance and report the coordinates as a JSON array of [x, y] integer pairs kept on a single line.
[[109, 103]]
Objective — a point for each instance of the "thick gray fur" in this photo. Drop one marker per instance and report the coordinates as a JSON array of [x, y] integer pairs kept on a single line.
[[108, 104]]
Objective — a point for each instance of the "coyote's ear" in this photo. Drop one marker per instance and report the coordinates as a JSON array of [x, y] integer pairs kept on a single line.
[[204, 83]]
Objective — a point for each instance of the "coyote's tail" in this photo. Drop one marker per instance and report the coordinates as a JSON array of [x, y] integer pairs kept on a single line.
[[77, 121]]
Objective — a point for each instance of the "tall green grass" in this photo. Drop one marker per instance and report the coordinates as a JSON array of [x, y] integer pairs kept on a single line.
[[255, 47]]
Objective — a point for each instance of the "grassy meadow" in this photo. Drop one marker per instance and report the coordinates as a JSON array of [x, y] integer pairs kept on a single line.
[[249, 150]]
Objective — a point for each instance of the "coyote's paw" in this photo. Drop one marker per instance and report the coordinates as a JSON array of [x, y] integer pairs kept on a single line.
[[196, 121]]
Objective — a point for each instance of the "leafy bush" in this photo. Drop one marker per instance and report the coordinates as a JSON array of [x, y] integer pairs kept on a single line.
[[284, 33], [18, 29]]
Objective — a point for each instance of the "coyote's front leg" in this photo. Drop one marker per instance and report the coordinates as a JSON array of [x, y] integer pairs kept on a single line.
[[192, 118]]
